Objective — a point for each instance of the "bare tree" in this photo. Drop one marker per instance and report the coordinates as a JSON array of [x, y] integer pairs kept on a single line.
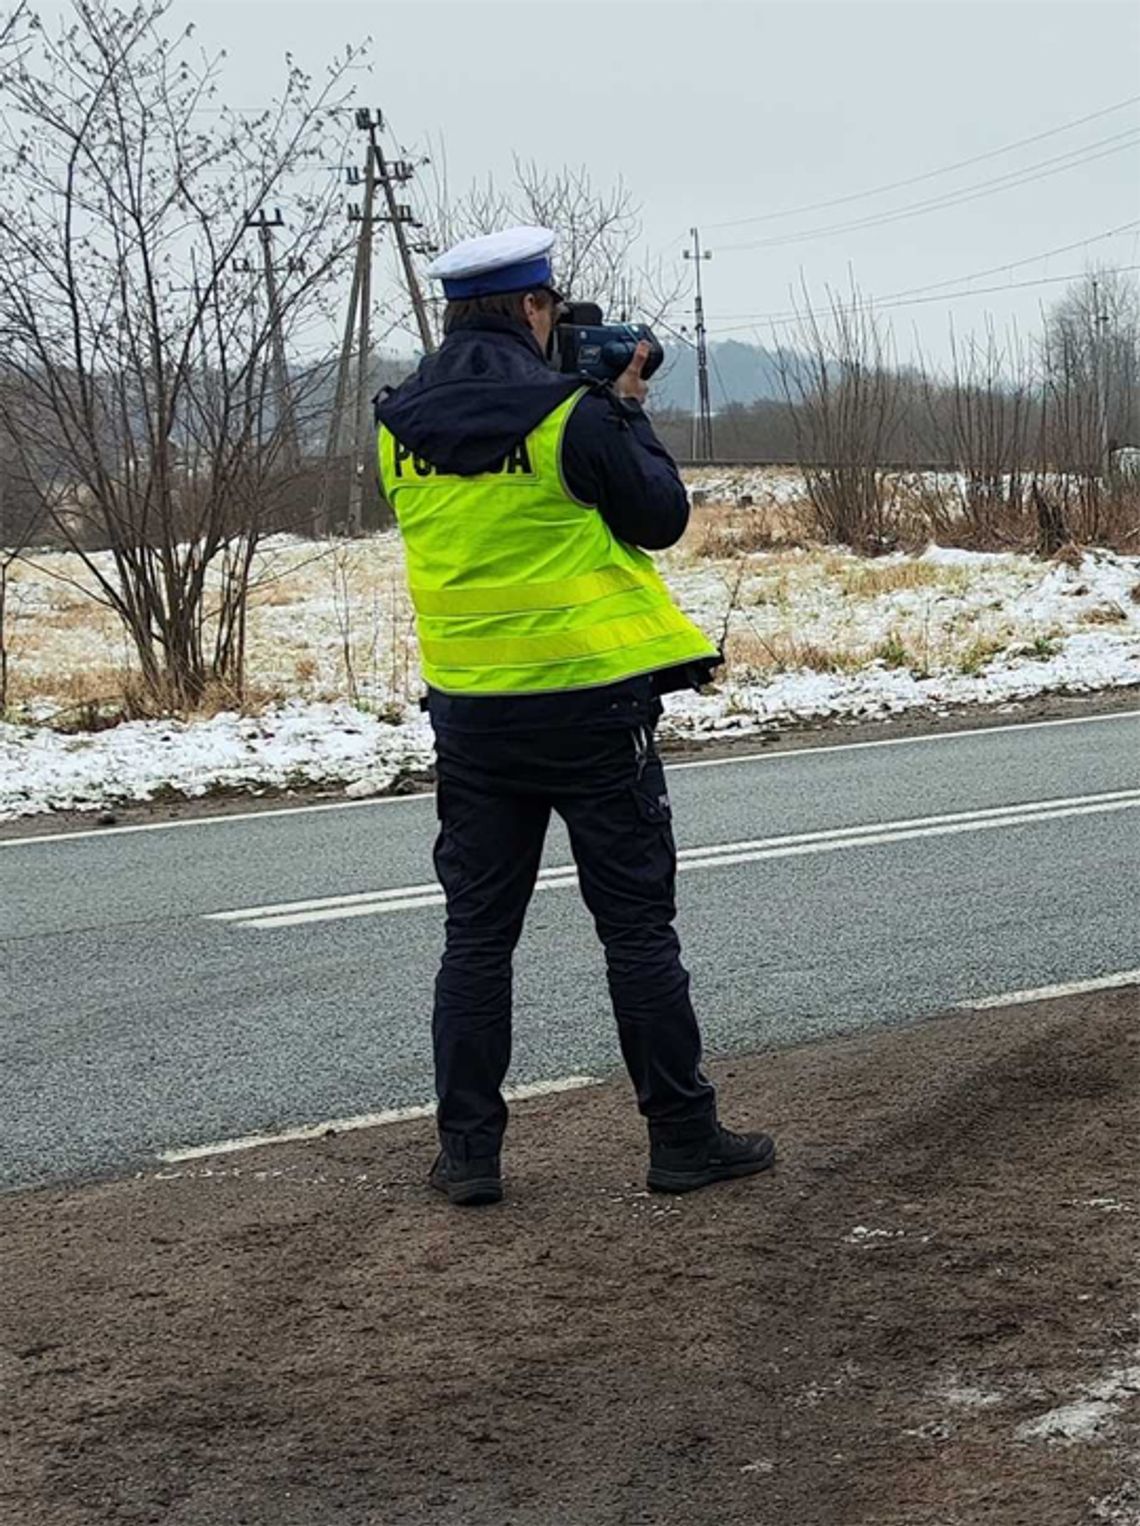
[[146, 392], [18, 522], [842, 388], [21, 521], [1090, 356], [595, 258]]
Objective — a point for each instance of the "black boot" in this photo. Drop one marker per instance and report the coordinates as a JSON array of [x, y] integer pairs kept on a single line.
[[714, 1158], [467, 1182]]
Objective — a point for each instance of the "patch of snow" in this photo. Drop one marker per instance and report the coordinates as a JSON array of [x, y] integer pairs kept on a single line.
[[292, 744], [931, 1430], [765, 485], [956, 556], [1122, 1506], [861, 1234], [1083, 1420], [1087, 1418]]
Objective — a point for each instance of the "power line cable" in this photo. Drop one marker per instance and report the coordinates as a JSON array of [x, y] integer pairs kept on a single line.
[[878, 305], [1040, 171], [1030, 259], [978, 275], [946, 169]]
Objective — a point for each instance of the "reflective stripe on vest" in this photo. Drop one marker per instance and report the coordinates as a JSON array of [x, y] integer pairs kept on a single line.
[[519, 588]]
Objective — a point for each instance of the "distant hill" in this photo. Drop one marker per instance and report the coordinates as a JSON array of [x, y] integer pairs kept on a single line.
[[738, 373]]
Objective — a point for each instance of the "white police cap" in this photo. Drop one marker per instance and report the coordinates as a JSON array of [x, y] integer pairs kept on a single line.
[[516, 259]]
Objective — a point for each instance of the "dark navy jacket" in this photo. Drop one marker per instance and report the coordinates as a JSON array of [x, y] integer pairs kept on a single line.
[[466, 407]]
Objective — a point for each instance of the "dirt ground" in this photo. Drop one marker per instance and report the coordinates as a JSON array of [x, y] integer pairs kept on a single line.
[[926, 1316]]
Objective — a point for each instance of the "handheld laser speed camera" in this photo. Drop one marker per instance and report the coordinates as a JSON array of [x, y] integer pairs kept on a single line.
[[584, 344]]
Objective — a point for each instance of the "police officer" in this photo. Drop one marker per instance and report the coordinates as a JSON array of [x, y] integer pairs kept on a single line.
[[527, 500]]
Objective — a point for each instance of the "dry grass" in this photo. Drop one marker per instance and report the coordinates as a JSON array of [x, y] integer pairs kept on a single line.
[[720, 531], [870, 580], [1069, 555], [96, 684], [78, 616], [981, 652], [276, 595], [782, 652], [911, 648], [1106, 614], [253, 698]]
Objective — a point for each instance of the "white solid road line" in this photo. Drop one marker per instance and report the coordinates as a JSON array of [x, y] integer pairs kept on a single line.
[[271, 813], [361, 1121], [837, 839], [926, 736], [1122, 978]]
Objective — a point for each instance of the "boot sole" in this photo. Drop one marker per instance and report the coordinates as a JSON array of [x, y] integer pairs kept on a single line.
[[658, 1180], [473, 1194]]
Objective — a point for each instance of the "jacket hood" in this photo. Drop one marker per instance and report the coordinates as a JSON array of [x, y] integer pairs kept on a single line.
[[469, 404]]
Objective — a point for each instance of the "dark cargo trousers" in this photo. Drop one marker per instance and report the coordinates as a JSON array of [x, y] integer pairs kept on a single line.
[[495, 795]]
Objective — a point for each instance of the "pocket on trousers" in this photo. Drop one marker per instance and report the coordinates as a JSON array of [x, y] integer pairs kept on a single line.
[[652, 796]]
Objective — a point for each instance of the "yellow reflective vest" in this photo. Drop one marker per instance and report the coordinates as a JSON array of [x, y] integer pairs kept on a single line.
[[518, 587]]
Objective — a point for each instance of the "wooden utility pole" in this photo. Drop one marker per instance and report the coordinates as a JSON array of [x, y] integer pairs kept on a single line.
[[286, 418], [351, 429], [363, 433], [400, 216], [335, 444]]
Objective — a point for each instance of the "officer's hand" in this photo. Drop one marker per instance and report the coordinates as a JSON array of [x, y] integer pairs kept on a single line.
[[629, 383]]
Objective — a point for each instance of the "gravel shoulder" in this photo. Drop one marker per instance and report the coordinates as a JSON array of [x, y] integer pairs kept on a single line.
[[926, 1316]]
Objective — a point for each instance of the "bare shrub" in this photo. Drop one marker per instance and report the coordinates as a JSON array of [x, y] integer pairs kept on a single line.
[[1053, 534], [981, 419], [842, 386]]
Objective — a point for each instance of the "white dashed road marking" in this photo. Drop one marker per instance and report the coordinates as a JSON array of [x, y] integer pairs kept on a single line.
[[368, 903]]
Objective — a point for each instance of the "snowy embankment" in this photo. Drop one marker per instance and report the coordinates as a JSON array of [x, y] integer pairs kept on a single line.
[[811, 635], [1000, 628], [293, 746]]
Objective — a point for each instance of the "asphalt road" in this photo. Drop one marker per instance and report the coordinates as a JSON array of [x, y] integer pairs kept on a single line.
[[824, 890]]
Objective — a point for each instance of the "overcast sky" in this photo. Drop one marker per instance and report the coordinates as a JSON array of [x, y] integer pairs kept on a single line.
[[718, 111]]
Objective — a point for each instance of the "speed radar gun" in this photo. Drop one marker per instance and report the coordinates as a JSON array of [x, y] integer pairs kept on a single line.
[[584, 344]]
